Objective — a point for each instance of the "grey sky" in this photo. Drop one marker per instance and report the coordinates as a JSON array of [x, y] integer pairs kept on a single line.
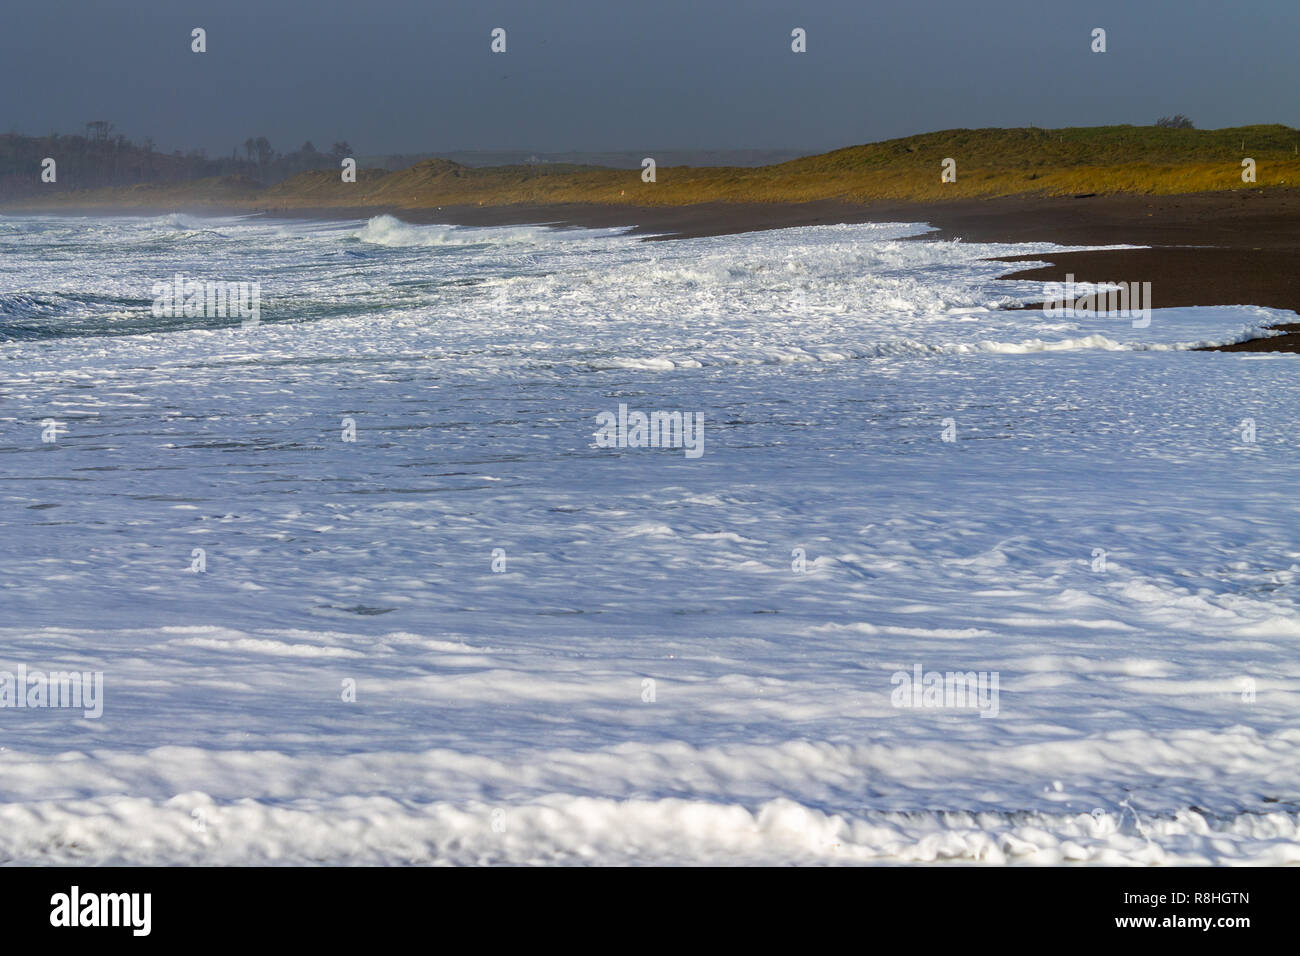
[[417, 75]]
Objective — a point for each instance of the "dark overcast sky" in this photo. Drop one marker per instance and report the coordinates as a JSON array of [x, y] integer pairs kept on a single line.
[[417, 75]]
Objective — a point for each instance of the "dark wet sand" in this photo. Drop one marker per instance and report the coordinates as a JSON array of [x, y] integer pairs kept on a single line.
[[1190, 276], [1237, 248], [1244, 219]]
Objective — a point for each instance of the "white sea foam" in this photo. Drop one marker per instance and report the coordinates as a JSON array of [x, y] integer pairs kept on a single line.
[[1099, 534], [390, 231]]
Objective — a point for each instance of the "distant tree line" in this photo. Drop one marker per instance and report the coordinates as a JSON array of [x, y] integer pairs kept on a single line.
[[102, 157]]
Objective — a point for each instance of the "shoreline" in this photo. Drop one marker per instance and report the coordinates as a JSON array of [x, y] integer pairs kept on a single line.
[[1202, 249], [1238, 247]]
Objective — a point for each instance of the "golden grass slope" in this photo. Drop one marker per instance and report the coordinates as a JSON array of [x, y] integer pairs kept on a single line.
[[989, 162]]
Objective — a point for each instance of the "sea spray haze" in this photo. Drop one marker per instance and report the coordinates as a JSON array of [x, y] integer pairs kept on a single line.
[[364, 587]]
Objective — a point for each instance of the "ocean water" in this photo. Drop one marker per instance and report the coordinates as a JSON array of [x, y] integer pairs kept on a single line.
[[474, 634]]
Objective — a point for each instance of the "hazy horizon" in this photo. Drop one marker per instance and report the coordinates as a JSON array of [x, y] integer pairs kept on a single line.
[[394, 76]]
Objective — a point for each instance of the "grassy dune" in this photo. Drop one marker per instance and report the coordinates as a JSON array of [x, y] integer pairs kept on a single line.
[[990, 162]]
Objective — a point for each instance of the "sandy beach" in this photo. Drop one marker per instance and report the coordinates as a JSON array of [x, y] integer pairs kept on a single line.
[[1232, 247], [1239, 247]]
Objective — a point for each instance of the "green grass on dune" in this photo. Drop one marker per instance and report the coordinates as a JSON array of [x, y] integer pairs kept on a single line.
[[1074, 146]]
